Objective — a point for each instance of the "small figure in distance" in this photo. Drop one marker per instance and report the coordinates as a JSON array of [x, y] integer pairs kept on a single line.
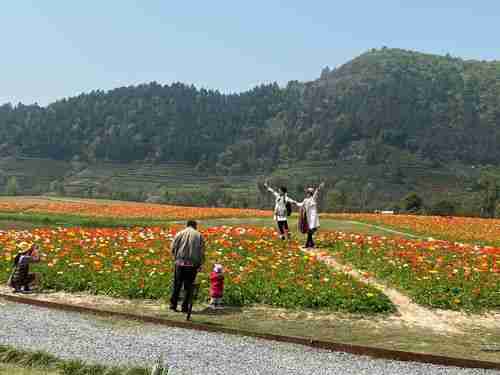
[[308, 216], [188, 249], [282, 209], [21, 280], [216, 287]]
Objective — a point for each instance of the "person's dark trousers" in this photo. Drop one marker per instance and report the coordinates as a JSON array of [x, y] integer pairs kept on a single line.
[[283, 229], [184, 275], [310, 242]]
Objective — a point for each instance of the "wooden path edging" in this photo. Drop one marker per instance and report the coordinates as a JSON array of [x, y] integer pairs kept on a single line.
[[373, 352]]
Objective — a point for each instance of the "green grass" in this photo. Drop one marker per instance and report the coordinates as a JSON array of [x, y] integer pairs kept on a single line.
[[16, 370], [326, 224], [10, 220], [65, 220], [17, 225], [373, 228], [37, 363]]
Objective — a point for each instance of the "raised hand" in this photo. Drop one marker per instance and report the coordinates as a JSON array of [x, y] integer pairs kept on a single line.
[[34, 250]]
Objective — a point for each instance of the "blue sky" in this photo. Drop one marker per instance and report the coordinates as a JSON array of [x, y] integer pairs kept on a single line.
[[54, 49]]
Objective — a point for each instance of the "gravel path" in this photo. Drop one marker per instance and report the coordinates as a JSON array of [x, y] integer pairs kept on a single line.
[[78, 336]]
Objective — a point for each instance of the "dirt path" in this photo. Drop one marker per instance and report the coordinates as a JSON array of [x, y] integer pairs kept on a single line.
[[412, 314]]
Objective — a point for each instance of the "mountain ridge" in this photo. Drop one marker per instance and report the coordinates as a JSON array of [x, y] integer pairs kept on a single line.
[[387, 109]]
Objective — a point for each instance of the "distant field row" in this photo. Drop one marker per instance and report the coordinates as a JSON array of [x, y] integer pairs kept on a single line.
[[119, 209], [465, 229], [472, 230]]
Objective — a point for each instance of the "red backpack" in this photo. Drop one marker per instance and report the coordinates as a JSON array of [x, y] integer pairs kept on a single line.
[[302, 223]]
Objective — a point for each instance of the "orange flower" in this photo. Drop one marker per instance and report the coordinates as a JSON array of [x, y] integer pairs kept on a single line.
[[133, 210]]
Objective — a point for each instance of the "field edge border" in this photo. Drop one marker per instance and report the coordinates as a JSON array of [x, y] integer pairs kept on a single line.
[[378, 353]]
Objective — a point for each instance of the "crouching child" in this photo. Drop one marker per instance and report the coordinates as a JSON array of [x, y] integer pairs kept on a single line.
[[21, 280], [216, 287]]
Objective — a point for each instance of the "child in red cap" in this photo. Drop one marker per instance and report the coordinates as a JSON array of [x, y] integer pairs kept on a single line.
[[216, 287]]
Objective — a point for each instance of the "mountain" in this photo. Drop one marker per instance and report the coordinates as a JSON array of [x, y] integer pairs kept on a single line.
[[386, 109], [440, 107]]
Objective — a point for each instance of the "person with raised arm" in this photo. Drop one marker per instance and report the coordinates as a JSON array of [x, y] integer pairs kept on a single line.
[[282, 209], [21, 279], [309, 216]]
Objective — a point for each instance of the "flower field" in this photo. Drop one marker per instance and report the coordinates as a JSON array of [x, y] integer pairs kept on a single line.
[[467, 229], [121, 210], [435, 273], [136, 263]]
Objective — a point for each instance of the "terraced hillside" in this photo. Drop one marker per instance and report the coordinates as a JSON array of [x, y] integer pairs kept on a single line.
[[33, 175], [151, 179], [168, 181]]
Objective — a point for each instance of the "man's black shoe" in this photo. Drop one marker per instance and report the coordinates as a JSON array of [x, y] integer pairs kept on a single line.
[[173, 308]]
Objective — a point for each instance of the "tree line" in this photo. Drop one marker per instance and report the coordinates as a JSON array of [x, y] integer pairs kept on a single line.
[[441, 107], [377, 107]]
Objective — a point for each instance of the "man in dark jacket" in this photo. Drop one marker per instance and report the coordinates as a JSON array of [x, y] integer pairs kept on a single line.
[[188, 249]]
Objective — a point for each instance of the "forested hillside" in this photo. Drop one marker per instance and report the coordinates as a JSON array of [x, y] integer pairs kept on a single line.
[[441, 107], [386, 109]]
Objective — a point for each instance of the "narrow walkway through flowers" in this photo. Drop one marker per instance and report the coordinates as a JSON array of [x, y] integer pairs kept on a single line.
[[409, 312]]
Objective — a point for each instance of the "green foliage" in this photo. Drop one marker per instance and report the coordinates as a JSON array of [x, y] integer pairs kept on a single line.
[[489, 195], [337, 200], [136, 196], [12, 187], [57, 186], [444, 208], [42, 360], [422, 103], [384, 109], [412, 203]]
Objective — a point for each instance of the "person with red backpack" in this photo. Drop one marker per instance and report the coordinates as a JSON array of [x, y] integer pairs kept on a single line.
[[308, 215], [282, 209]]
